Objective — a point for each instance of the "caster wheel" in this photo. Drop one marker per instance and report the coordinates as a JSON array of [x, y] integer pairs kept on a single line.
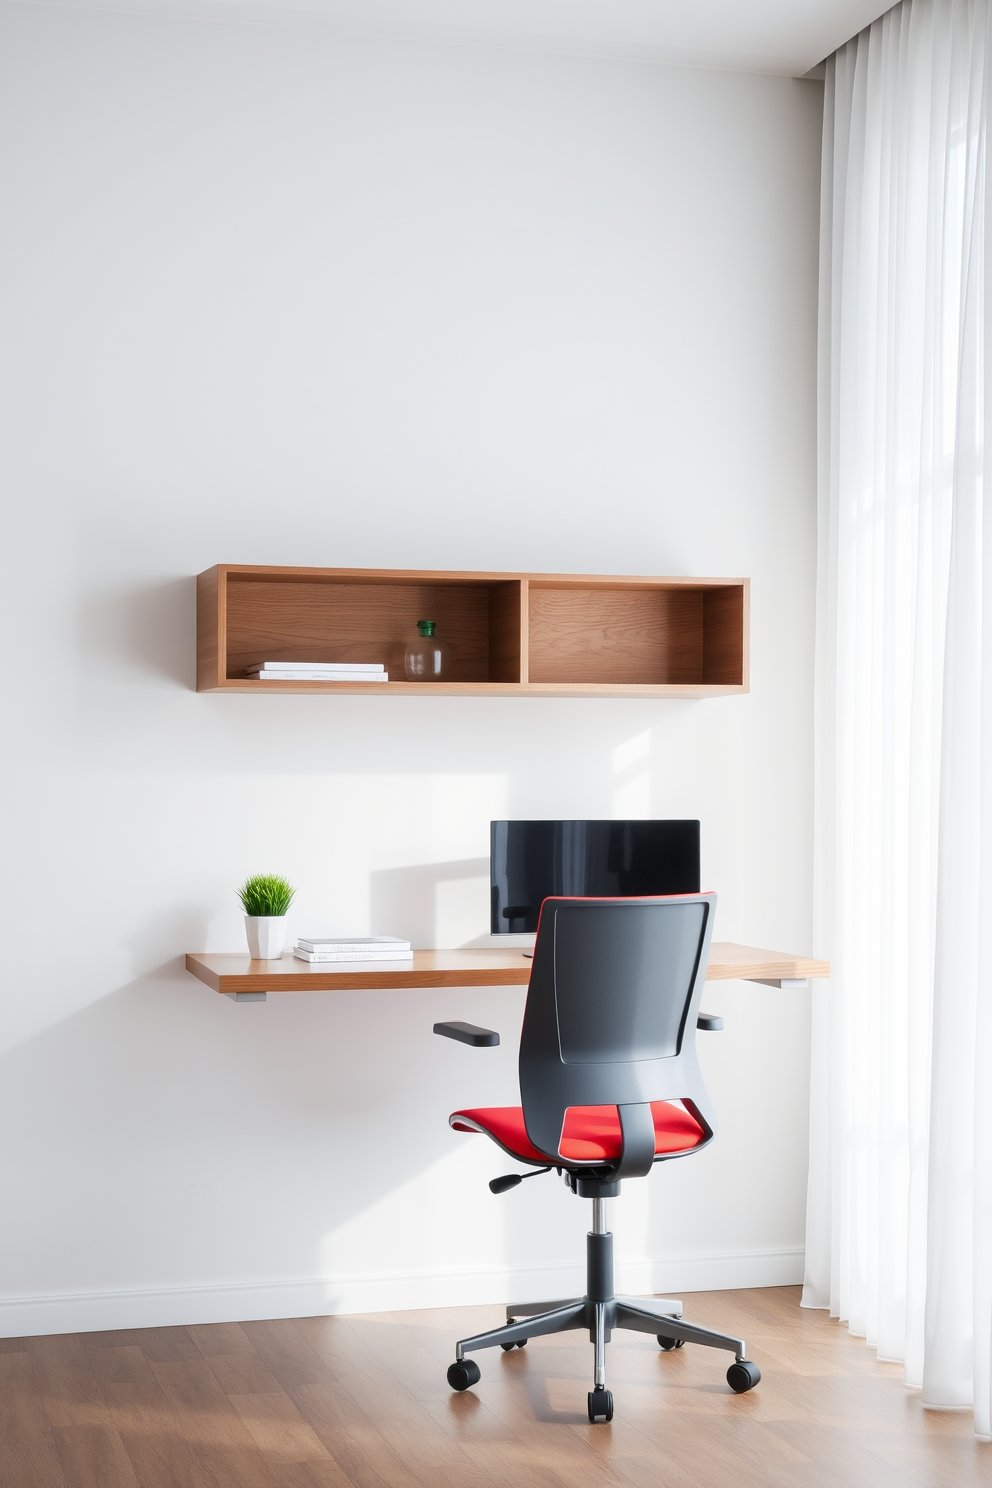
[[509, 1347], [600, 1406], [461, 1376], [666, 1344], [743, 1376]]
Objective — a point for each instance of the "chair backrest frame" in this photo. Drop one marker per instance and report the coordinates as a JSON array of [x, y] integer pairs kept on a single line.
[[610, 1018]]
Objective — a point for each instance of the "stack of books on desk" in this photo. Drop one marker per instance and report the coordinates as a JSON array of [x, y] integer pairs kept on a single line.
[[318, 671], [319, 949]]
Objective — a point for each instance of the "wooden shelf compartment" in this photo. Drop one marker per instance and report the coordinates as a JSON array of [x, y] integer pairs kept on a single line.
[[543, 634]]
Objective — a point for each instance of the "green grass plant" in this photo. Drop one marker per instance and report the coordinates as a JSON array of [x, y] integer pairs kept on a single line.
[[265, 894]]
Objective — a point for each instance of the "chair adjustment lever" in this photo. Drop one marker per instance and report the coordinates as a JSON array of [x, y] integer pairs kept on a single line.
[[468, 1033], [709, 1022], [503, 1185]]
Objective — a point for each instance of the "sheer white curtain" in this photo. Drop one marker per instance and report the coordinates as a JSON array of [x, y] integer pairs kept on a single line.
[[899, 1229]]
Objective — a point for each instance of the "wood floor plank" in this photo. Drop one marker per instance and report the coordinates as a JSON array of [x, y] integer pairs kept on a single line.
[[221, 1444], [243, 1373], [223, 1463], [284, 1436], [162, 1459], [111, 1338], [490, 1422], [69, 1389], [166, 1345], [860, 1454], [93, 1457], [161, 1343], [398, 1416], [352, 1437], [220, 1338], [276, 1342], [939, 1464], [148, 1427], [31, 1464], [119, 1365], [278, 1429], [23, 1417]]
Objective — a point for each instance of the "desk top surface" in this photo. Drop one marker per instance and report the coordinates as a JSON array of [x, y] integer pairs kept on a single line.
[[464, 968]]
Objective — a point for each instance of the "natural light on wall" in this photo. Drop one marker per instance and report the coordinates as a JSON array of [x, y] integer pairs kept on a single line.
[[631, 768]]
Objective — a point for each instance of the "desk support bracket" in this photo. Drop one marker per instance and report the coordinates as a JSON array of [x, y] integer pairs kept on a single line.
[[246, 996], [787, 984]]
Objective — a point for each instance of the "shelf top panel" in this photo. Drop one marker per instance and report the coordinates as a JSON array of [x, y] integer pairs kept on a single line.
[[458, 968], [470, 576]]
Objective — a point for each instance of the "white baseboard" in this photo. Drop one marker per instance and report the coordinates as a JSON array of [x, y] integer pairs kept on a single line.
[[160, 1307]]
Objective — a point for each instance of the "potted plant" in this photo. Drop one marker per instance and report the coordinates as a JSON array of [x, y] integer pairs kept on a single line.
[[265, 898]]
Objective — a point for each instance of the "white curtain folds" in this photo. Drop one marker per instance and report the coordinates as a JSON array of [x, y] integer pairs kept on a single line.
[[899, 1229]]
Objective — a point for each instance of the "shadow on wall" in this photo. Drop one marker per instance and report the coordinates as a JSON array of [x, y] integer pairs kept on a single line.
[[150, 942], [432, 904], [165, 1136], [149, 629]]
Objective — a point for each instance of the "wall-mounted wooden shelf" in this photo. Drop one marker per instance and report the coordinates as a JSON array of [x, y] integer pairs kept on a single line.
[[550, 635]]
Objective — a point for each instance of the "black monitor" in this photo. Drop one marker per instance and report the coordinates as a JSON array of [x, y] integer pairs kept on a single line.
[[533, 860]]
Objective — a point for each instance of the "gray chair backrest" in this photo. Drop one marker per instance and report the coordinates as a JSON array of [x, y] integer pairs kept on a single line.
[[611, 1014]]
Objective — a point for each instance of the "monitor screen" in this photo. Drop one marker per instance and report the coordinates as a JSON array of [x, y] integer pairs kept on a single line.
[[532, 860]]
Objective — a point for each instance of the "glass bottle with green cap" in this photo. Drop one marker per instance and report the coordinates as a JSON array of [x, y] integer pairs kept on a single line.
[[426, 657]]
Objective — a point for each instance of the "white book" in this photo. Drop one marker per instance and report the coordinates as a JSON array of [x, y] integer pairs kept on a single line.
[[321, 958], [316, 666], [352, 943], [267, 676]]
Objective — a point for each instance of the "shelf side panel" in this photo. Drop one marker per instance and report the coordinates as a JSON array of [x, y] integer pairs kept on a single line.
[[211, 629], [646, 636], [321, 620], [724, 654]]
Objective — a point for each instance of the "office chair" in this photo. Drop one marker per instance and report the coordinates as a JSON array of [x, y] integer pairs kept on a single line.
[[607, 1047]]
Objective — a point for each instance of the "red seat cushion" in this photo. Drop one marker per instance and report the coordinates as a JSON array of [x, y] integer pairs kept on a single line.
[[591, 1134]]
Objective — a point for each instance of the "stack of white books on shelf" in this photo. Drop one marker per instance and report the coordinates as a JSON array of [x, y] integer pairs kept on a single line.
[[318, 949], [318, 671]]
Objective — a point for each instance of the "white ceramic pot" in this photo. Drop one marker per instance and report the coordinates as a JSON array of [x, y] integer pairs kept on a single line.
[[266, 936]]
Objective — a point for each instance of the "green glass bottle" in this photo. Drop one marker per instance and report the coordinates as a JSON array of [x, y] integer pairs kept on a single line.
[[426, 657]]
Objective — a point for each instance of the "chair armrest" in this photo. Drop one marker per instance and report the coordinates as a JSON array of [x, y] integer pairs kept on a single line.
[[709, 1022], [468, 1033]]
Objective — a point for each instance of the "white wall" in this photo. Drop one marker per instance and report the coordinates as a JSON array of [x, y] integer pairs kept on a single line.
[[275, 297]]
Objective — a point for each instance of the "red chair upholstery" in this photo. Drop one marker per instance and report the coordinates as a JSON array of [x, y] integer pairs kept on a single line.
[[591, 1133]]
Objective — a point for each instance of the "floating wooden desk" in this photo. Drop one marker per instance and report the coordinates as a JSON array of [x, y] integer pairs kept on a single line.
[[238, 976]]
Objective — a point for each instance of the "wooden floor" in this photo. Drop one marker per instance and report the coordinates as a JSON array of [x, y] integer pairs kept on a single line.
[[333, 1402]]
